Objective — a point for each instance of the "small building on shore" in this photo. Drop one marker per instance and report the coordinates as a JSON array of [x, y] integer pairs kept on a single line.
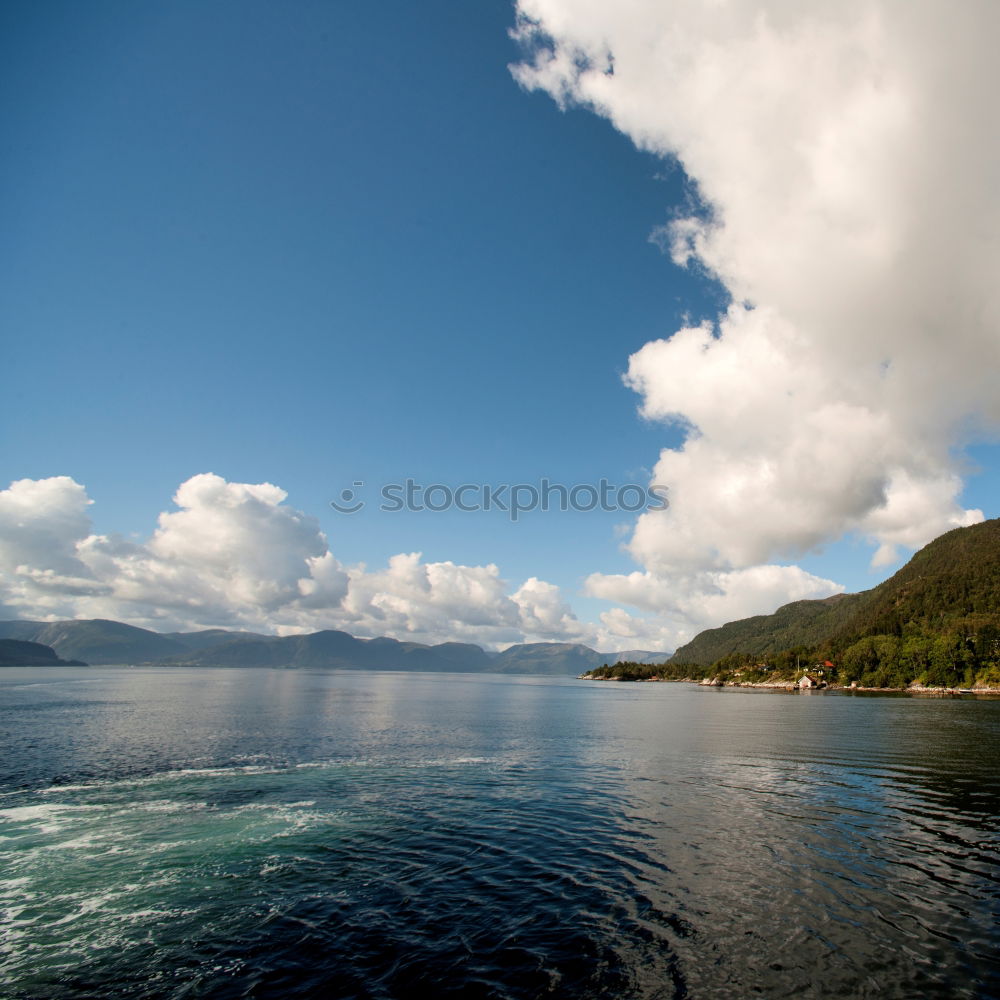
[[807, 681]]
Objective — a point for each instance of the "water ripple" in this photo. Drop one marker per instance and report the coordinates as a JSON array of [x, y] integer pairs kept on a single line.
[[675, 844]]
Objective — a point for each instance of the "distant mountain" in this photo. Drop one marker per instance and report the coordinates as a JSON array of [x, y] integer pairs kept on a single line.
[[21, 653], [564, 658], [936, 620], [343, 651], [96, 640], [339, 650], [209, 637], [21, 630], [556, 658], [636, 656], [109, 642]]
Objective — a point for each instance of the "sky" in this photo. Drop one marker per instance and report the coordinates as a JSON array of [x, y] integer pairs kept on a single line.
[[255, 255]]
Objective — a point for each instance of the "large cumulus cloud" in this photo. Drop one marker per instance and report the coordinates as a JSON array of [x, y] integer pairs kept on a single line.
[[843, 166]]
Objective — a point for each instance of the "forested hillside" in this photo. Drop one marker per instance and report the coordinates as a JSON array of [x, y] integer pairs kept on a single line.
[[936, 621]]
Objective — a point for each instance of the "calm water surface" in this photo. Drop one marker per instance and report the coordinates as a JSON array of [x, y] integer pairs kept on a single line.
[[259, 833]]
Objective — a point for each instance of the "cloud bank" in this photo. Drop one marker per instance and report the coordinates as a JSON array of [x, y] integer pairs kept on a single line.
[[236, 555], [843, 179]]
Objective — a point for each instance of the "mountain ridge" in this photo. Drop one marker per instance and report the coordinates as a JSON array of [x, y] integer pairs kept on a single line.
[[103, 641], [936, 621]]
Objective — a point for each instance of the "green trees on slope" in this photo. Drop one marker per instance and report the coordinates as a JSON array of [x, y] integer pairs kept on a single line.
[[936, 621]]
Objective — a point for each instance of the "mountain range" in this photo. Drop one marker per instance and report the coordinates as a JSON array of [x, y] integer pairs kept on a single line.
[[938, 618], [100, 641]]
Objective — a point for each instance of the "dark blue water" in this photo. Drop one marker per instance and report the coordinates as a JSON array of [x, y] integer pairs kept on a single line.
[[257, 833]]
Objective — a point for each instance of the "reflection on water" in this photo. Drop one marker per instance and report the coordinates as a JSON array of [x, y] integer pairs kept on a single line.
[[268, 833]]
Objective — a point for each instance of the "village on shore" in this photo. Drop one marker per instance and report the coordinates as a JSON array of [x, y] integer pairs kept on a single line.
[[808, 682]]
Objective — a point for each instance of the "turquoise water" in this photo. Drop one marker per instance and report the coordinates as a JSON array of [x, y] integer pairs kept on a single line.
[[230, 833]]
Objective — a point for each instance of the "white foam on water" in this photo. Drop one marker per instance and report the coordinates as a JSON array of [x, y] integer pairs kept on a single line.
[[220, 772], [54, 683], [89, 904], [164, 806], [56, 789], [450, 761], [46, 818], [78, 843], [139, 916], [342, 762], [163, 776], [294, 816], [44, 810]]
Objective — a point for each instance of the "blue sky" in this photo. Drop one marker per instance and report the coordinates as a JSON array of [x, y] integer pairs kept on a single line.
[[328, 243], [311, 251]]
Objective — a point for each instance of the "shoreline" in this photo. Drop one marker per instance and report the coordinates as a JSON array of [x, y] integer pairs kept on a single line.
[[915, 689]]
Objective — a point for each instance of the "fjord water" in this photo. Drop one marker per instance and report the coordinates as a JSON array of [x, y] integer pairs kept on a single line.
[[231, 833]]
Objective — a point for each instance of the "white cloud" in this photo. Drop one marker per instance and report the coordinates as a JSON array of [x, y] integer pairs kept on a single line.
[[236, 555], [621, 630], [684, 604], [231, 554], [545, 616], [431, 601], [40, 523], [848, 174]]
